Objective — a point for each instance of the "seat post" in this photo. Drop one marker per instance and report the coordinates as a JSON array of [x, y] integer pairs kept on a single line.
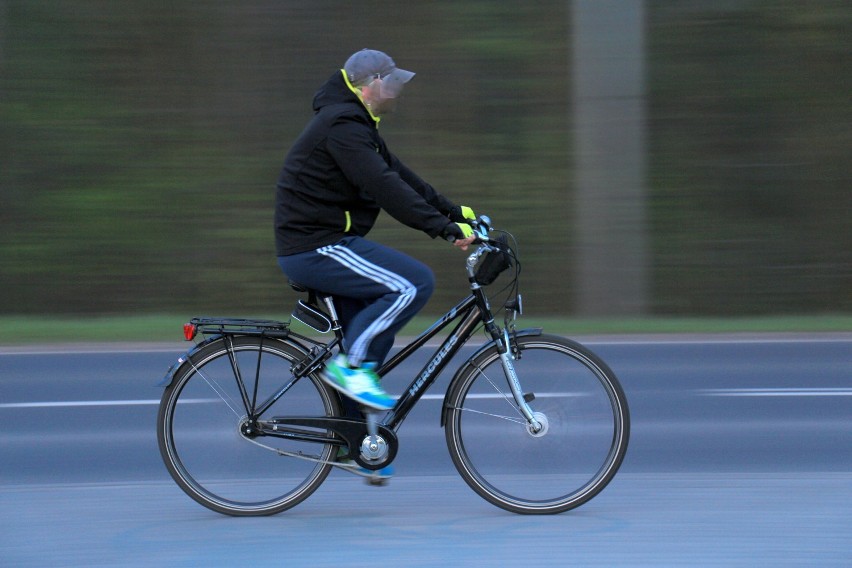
[[329, 305]]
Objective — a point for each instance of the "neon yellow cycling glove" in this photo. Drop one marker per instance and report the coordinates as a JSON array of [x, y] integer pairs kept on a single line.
[[460, 213], [457, 231]]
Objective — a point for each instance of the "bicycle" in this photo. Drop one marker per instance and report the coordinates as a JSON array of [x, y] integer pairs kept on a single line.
[[534, 423]]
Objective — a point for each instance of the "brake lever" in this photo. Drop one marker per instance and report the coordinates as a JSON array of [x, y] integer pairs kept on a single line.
[[481, 227]]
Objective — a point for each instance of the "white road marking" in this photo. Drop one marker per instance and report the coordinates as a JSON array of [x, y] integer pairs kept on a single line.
[[761, 392], [77, 403], [778, 392]]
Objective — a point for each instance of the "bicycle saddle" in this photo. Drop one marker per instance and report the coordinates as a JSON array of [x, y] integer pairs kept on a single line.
[[298, 287]]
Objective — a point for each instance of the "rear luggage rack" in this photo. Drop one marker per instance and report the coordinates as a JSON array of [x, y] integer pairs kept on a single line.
[[235, 326]]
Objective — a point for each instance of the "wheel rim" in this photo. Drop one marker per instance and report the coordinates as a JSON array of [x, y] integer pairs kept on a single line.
[[213, 461], [583, 441]]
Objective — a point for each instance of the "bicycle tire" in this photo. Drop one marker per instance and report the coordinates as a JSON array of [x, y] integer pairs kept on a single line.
[[199, 420], [579, 401]]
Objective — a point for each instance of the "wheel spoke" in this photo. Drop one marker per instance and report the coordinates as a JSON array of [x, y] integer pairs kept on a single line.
[[500, 416], [220, 392]]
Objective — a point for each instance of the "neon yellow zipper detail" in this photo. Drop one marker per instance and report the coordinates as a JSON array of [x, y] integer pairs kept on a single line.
[[360, 98]]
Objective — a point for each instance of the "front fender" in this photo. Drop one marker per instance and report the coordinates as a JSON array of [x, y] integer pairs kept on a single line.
[[531, 331], [183, 359]]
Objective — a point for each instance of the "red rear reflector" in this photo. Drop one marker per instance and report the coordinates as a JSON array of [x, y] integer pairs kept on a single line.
[[189, 331]]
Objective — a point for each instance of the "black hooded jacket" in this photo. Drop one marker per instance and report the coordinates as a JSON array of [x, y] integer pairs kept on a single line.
[[339, 174]]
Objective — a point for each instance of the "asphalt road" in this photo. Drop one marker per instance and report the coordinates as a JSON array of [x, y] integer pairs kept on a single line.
[[740, 455]]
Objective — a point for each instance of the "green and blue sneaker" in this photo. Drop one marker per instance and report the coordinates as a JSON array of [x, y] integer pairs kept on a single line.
[[358, 383]]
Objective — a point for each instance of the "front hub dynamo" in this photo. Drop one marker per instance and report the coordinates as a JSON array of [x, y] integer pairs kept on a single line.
[[541, 418]]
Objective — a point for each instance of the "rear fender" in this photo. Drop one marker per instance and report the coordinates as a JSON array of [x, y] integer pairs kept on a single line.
[[184, 359]]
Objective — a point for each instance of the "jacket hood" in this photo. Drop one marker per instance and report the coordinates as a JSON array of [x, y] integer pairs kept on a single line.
[[335, 91]]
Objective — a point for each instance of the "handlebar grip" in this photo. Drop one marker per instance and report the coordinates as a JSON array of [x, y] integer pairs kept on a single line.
[[477, 238], [480, 227]]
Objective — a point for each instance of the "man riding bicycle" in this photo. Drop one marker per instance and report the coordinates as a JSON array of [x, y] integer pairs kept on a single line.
[[336, 178]]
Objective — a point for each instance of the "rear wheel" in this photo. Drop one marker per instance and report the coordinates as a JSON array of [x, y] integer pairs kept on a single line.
[[583, 417], [210, 447]]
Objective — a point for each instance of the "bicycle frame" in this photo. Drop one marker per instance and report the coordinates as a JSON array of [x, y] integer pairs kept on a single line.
[[469, 311], [351, 432]]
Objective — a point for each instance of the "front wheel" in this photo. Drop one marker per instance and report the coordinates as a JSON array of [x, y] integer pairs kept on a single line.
[[584, 426]]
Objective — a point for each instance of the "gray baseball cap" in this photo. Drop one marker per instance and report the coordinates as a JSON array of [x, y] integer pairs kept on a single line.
[[365, 65]]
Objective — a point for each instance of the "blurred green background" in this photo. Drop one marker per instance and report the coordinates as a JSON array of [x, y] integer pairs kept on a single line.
[[141, 142]]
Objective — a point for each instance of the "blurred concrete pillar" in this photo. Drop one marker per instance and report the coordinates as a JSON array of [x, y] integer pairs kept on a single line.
[[610, 157]]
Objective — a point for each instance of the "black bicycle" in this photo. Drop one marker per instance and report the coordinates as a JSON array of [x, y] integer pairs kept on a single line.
[[535, 423]]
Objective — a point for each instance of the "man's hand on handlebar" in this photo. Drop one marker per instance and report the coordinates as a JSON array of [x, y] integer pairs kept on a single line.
[[460, 234], [464, 243]]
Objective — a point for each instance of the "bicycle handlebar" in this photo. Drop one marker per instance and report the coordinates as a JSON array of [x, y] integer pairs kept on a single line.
[[480, 226]]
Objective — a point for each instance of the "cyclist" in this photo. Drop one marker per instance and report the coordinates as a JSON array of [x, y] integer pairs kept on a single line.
[[336, 178]]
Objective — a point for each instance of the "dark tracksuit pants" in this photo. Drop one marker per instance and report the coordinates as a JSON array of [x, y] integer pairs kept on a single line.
[[376, 290]]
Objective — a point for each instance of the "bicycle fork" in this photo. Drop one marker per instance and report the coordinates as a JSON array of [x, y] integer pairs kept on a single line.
[[536, 420]]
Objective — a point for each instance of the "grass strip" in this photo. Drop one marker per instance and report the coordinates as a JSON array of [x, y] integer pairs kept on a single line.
[[23, 330]]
